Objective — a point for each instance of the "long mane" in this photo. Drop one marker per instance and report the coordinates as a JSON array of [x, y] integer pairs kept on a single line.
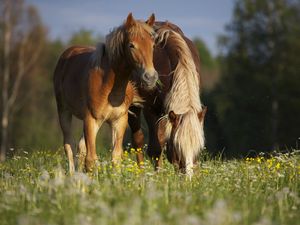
[[184, 98]]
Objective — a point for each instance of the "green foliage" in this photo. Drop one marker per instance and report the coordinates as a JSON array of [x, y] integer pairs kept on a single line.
[[36, 123], [34, 189], [207, 61], [85, 37], [209, 66], [257, 98]]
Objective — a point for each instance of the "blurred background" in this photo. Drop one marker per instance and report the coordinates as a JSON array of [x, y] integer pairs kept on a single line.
[[250, 58]]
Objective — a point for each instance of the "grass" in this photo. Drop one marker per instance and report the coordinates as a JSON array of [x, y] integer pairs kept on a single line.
[[35, 190]]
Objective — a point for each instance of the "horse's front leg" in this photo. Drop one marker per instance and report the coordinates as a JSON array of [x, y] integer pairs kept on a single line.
[[154, 149], [91, 127], [118, 131], [134, 122]]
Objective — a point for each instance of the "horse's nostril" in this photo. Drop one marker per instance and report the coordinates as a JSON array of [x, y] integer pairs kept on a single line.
[[147, 76], [150, 78]]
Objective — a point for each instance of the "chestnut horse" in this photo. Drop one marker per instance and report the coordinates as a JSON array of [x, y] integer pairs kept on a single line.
[[173, 112], [94, 85]]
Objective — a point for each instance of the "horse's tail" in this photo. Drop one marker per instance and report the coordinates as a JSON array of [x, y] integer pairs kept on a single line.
[[58, 80]]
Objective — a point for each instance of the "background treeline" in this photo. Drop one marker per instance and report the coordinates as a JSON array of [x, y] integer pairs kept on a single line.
[[251, 88]]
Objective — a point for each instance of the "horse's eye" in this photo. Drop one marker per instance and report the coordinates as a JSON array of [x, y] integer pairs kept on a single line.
[[131, 45]]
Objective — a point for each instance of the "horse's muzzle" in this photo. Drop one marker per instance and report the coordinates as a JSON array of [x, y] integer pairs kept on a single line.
[[149, 79]]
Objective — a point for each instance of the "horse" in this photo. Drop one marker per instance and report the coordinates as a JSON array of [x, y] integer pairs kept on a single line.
[[95, 85], [173, 112]]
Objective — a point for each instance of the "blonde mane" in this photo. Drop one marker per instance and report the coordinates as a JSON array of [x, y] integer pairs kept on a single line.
[[116, 38], [184, 98]]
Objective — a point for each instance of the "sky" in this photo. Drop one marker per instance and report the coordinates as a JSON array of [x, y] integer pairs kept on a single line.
[[197, 18]]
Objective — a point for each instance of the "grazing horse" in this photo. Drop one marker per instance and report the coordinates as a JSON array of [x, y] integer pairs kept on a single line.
[[94, 84], [173, 112]]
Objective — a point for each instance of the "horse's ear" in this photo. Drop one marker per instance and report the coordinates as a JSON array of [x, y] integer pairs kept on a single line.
[[130, 21], [172, 117], [151, 20], [201, 114]]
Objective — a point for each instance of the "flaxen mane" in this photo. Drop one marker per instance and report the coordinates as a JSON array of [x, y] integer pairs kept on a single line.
[[184, 98]]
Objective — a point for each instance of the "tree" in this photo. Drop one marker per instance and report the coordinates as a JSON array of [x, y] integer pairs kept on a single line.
[[209, 66], [258, 95], [23, 37], [39, 111], [85, 37]]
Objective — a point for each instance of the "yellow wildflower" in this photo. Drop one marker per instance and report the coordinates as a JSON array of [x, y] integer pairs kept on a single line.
[[258, 160], [270, 163]]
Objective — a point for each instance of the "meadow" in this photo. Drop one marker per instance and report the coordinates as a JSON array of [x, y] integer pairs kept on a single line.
[[35, 190]]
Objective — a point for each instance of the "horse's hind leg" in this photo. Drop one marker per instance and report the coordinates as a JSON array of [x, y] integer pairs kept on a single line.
[[81, 154], [65, 120], [134, 122]]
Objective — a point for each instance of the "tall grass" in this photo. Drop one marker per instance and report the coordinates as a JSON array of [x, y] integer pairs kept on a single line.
[[35, 190]]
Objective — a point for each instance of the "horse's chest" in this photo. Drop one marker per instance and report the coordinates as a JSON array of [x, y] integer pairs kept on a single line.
[[110, 113]]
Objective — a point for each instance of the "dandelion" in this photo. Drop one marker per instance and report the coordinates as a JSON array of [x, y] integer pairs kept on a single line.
[[277, 166], [205, 171], [258, 160], [270, 163]]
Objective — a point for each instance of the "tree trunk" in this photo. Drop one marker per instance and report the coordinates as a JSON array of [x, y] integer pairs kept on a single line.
[[5, 83]]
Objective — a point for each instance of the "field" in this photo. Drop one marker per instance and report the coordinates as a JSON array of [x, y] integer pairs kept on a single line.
[[35, 190]]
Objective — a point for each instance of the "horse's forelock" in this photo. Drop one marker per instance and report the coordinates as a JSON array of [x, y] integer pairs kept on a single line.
[[116, 38]]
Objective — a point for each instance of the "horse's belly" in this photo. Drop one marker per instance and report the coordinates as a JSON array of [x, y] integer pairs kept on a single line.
[[75, 101]]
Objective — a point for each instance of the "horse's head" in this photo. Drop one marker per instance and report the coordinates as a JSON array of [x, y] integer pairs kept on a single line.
[[186, 137], [139, 46]]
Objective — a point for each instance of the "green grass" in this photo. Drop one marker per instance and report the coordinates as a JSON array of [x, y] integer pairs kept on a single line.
[[35, 190]]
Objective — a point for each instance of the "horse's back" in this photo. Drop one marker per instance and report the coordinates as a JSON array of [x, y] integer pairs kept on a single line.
[[71, 59]]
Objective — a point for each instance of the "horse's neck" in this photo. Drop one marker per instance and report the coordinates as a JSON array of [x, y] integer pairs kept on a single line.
[[172, 54], [120, 79]]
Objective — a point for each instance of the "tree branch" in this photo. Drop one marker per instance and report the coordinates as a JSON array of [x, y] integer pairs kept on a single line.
[[23, 69]]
